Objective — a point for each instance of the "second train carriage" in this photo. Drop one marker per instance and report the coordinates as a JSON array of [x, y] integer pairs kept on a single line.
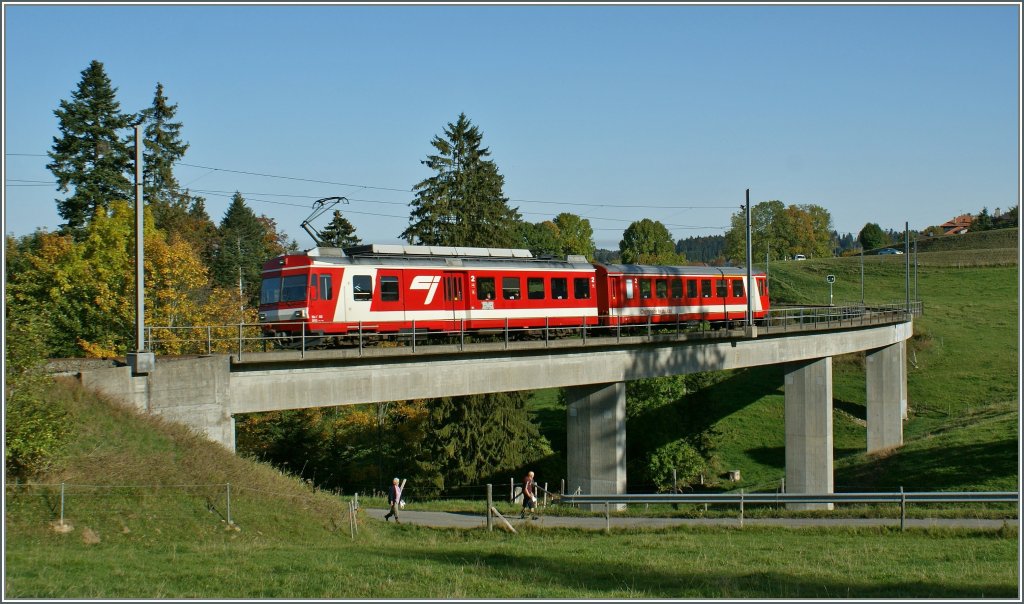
[[630, 294]]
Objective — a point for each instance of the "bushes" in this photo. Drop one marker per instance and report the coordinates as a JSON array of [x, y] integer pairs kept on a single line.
[[35, 426], [677, 455]]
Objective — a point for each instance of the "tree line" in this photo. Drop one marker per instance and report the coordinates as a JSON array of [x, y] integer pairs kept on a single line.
[[69, 294]]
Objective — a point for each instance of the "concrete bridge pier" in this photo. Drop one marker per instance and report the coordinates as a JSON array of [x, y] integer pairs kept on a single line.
[[886, 395], [596, 451], [808, 417]]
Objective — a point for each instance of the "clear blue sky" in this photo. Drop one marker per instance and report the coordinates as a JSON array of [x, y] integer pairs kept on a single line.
[[878, 113]]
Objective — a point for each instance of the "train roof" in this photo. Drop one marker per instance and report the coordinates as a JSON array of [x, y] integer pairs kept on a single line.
[[385, 249], [643, 269], [427, 256]]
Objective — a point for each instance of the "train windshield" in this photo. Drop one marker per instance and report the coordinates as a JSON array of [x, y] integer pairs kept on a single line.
[[288, 289]]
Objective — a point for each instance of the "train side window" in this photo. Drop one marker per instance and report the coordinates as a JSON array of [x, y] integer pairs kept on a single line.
[[293, 288], [737, 288], [677, 288], [691, 288], [559, 288], [535, 288], [362, 288], [510, 288], [645, 289], [762, 286], [326, 292], [661, 288], [581, 288], [312, 287], [389, 289], [629, 289], [721, 288], [485, 288], [705, 288]]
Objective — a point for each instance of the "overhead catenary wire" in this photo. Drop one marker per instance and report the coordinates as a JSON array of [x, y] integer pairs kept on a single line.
[[222, 193], [412, 190]]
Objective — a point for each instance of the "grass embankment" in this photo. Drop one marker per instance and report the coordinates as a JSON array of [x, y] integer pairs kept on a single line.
[[164, 539], [167, 537]]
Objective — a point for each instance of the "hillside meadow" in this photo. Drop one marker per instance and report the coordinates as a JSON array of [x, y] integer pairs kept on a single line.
[[147, 502]]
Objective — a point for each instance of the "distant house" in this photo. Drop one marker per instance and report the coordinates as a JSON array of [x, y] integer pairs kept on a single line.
[[957, 226]]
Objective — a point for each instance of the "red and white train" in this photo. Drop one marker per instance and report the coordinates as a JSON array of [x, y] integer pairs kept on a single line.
[[330, 294]]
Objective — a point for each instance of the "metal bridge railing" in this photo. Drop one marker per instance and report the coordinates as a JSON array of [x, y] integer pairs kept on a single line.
[[248, 338]]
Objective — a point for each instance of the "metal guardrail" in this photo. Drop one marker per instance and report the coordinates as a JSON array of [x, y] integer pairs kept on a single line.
[[782, 498], [742, 499], [247, 337]]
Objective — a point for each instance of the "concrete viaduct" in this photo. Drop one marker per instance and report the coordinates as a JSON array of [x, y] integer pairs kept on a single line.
[[206, 392]]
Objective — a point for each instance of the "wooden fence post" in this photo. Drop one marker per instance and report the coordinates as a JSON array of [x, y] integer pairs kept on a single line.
[[490, 504]]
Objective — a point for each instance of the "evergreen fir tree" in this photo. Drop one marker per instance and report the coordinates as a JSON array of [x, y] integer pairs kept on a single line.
[[90, 155], [241, 250], [340, 232], [462, 204], [197, 228], [983, 221], [472, 438], [163, 147]]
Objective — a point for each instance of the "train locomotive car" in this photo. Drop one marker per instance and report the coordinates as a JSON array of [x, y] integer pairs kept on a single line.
[[630, 294], [329, 294]]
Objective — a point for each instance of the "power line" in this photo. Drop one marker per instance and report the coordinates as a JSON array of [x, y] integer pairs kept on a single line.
[[561, 203], [224, 193], [408, 190], [322, 182]]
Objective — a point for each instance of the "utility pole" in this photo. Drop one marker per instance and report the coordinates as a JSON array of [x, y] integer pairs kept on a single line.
[[906, 254], [241, 297], [862, 274], [751, 286], [141, 361], [917, 298]]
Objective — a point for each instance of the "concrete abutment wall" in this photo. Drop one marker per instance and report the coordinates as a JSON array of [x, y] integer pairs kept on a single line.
[[195, 393]]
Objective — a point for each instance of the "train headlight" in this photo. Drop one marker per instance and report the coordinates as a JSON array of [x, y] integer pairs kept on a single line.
[[263, 316], [300, 314]]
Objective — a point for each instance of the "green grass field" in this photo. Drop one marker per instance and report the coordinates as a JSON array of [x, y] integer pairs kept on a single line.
[[166, 536]]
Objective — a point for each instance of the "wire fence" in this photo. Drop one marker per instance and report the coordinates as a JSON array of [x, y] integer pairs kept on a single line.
[[122, 505]]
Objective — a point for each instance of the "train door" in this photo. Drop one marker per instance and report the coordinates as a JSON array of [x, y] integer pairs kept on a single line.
[[614, 299], [389, 306], [455, 296]]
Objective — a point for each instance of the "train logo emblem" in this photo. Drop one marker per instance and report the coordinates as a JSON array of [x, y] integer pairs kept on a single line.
[[427, 283]]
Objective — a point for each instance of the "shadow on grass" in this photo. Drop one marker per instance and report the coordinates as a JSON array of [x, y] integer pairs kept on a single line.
[[934, 468], [857, 410], [620, 578], [769, 456], [704, 408]]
